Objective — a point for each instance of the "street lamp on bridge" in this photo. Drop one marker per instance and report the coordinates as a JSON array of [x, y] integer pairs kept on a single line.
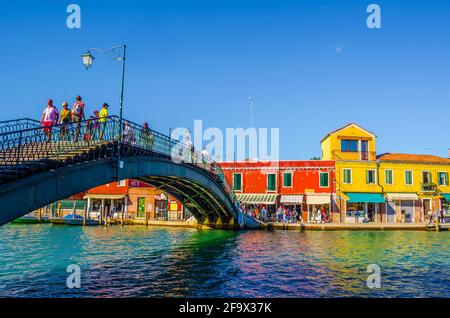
[[117, 53]]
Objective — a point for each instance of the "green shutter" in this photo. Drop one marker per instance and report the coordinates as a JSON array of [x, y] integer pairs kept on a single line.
[[408, 177], [388, 174], [347, 176], [287, 179], [237, 182], [324, 180], [271, 182]]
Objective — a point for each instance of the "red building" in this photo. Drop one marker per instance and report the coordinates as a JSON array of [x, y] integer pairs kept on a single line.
[[305, 185]]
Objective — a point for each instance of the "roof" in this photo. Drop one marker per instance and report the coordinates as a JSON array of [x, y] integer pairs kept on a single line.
[[402, 157], [343, 127]]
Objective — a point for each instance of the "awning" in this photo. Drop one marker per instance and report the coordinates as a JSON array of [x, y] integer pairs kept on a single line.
[[355, 197], [104, 196], [318, 198], [292, 199], [402, 196], [256, 198], [446, 196]]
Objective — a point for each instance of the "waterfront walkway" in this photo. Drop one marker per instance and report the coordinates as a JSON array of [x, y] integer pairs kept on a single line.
[[356, 226]]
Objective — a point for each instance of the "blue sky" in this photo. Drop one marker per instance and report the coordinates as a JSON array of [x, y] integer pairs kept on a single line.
[[310, 66]]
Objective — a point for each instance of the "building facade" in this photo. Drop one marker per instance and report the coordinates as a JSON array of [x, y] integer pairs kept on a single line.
[[389, 188], [302, 185], [137, 200]]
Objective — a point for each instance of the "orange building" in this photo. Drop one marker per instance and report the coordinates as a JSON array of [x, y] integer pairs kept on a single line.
[[137, 200]]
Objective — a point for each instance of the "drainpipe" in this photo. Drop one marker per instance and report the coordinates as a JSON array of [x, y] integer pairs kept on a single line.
[[382, 189]]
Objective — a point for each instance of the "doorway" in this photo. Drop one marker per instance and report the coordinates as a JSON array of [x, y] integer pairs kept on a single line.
[[141, 207], [426, 207], [391, 212], [408, 207], [371, 211]]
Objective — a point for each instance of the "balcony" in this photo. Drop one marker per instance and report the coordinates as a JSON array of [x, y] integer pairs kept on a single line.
[[429, 187], [354, 155]]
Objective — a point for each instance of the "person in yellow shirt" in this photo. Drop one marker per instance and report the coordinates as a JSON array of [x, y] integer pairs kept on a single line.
[[65, 119], [102, 118]]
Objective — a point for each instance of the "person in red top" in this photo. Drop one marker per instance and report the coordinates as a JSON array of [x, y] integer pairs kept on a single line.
[[77, 115], [49, 119]]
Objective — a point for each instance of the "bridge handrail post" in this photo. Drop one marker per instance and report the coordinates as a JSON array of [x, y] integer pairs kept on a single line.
[[19, 145]]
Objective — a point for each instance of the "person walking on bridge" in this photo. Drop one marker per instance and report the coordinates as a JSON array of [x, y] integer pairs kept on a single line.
[[206, 158], [77, 116], [49, 119], [65, 119], [103, 116], [146, 137]]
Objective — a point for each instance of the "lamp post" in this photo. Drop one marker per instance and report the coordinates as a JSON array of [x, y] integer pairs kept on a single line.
[[117, 53]]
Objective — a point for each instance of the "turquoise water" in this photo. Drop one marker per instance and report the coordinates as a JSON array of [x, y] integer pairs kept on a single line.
[[137, 261]]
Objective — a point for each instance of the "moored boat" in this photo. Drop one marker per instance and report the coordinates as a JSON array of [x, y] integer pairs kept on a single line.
[[32, 219], [71, 219]]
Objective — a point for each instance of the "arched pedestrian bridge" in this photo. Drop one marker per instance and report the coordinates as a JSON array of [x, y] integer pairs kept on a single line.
[[36, 171]]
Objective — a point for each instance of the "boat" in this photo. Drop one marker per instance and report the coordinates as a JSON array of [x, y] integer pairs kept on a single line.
[[74, 219], [32, 219]]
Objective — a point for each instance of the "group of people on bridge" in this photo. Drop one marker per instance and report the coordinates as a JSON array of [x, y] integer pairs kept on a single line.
[[73, 126], [83, 127], [94, 126]]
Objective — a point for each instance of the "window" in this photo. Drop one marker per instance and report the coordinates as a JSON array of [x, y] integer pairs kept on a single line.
[[287, 179], [324, 180], [408, 177], [426, 177], [443, 178], [122, 183], [347, 176], [389, 177], [237, 181], [271, 182], [370, 177], [349, 145]]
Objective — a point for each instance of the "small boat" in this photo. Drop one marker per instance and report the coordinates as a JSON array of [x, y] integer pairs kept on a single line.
[[32, 219], [71, 219], [56, 221]]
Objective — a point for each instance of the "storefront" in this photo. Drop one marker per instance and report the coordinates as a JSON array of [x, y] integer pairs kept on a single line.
[[258, 201], [364, 207], [402, 208], [317, 203], [161, 207], [293, 203], [109, 204]]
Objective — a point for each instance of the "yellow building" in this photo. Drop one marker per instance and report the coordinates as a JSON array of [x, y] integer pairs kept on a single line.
[[358, 194], [391, 188], [414, 184]]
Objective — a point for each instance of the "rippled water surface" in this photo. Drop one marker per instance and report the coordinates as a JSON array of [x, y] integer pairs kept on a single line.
[[159, 262]]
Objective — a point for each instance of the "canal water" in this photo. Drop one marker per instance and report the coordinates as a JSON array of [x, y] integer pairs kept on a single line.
[[136, 261]]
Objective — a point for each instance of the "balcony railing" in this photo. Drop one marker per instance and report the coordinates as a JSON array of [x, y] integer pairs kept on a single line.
[[429, 187], [354, 155]]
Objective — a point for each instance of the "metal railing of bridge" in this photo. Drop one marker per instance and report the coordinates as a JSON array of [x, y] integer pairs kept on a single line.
[[27, 149], [17, 124]]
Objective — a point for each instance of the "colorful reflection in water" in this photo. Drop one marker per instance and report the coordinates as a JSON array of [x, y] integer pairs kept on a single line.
[[159, 262]]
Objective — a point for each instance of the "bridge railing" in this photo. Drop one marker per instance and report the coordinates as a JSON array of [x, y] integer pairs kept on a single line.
[[22, 146], [17, 124], [136, 135]]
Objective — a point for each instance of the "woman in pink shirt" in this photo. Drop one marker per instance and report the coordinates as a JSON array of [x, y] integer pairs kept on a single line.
[[49, 119]]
